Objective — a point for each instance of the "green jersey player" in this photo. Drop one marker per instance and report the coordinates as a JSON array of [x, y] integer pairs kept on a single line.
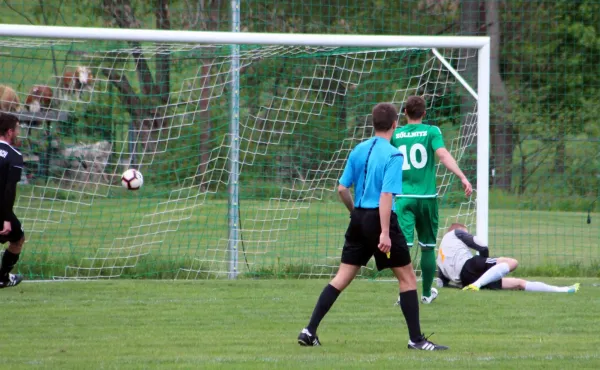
[[417, 207]]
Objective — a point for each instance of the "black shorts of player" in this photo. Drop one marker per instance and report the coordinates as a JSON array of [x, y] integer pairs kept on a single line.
[[16, 232], [474, 268], [362, 239]]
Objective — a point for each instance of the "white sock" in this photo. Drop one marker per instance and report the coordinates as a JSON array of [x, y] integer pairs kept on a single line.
[[535, 286], [494, 274]]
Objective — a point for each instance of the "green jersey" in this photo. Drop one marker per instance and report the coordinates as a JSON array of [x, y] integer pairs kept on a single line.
[[418, 143]]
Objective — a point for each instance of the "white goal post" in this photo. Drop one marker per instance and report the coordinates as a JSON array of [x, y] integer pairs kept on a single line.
[[481, 94]]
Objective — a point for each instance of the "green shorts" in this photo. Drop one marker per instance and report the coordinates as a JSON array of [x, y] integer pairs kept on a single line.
[[420, 214]]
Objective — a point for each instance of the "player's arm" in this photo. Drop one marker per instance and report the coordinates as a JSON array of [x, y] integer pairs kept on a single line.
[[447, 283], [473, 242], [392, 185], [346, 181], [450, 163], [443, 278], [346, 197], [385, 211], [10, 193], [437, 143]]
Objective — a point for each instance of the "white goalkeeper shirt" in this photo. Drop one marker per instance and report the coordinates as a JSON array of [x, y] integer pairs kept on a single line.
[[455, 250]]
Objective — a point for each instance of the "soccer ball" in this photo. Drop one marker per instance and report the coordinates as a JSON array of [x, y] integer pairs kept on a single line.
[[132, 179]]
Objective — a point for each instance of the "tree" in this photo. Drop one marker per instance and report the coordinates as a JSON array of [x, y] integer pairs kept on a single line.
[[143, 107], [122, 14], [552, 77], [470, 24], [501, 115], [204, 15]]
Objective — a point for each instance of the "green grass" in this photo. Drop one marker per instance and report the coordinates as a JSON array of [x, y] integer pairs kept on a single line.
[[253, 325], [150, 237]]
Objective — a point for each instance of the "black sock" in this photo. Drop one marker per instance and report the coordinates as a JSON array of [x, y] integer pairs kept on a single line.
[[409, 302], [326, 300], [9, 260]]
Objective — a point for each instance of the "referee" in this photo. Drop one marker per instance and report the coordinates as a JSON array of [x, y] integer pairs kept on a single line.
[[374, 168], [11, 165]]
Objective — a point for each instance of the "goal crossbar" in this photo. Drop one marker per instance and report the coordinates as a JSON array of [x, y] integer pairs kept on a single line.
[[247, 38]]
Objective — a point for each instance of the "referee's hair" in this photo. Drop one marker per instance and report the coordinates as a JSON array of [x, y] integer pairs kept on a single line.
[[384, 116], [455, 226], [7, 122]]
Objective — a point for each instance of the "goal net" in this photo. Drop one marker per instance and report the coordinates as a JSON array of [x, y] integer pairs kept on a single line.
[[241, 147]]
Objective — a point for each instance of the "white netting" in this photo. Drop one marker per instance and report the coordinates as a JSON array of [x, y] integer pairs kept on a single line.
[[90, 168]]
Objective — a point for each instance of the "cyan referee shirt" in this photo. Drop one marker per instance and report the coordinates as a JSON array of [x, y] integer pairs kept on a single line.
[[374, 167]]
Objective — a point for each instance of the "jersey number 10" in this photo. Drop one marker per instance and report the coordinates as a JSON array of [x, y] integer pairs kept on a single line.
[[412, 158]]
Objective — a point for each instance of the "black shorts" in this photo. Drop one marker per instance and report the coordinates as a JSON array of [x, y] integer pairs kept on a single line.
[[474, 268], [16, 232], [362, 239]]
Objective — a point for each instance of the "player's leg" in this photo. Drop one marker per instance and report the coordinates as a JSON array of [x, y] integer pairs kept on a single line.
[[536, 286], [409, 300], [16, 239], [400, 262], [495, 270], [511, 262], [406, 219], [354, 255], [343, 278], [532, 286], [405, 211], [480, 271], [513, 284], [409, 303], [426, 224]]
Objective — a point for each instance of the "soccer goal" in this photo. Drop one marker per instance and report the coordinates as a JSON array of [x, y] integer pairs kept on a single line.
[[241, 139]]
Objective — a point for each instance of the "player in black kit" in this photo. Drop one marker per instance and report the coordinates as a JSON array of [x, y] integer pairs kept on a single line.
[[11, 166]]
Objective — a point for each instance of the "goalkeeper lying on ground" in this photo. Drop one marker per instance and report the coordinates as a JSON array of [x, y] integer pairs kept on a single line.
[[459, 268]]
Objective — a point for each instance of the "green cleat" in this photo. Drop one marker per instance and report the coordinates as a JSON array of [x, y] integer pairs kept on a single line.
[[574, 288], [471, 287]]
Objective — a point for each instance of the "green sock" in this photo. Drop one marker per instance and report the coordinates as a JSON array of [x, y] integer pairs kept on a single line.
[[428, 269]]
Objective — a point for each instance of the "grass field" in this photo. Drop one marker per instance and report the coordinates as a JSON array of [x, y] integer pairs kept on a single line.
[[157, 237], [253, 325]]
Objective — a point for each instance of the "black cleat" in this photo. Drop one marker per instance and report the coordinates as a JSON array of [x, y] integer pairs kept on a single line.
[[426, 345], [13, 280], [305, 338]]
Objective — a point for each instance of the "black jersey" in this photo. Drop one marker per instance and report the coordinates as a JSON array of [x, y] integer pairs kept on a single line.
[[11, 166]]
